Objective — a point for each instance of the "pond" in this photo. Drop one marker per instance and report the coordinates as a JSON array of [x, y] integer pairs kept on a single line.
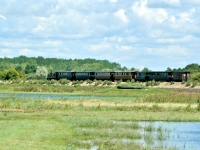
[[65, 96], [177, 135]]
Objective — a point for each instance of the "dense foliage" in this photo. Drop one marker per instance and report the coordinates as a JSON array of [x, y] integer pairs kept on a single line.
[[38, 67]]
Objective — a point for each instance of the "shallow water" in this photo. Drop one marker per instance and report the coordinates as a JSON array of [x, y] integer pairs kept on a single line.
[[179, 135], [62, 96]]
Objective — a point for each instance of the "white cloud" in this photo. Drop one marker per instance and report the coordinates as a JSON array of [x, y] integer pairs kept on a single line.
[[3, 17], [5, 51], [157, 15], [172, 50], [53, 43], [183, 40], [113, 1], [103, 29], [124, 48], [186, 16], [121, 14], [164, 3], [100, 47]]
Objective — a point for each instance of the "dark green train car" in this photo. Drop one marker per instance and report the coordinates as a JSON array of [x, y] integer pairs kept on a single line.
[[82, 75], [157, 76], [123, 76], [162, 76], [102, 75], [65, 75]]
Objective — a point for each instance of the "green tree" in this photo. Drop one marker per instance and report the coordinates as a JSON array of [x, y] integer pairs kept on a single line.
[[30, 68], [18, 68], [145, 69], [41, 72], [169, 69], [133, 69], [12, 74], [192, 68], [2, 75]]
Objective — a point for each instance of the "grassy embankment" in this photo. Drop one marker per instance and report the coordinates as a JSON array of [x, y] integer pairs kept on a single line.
[[65, 123]]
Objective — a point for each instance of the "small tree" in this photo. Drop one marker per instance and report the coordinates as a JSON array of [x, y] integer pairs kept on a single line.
[[145, 69], [11, 74], [2, 75], [30, 68], [41, 72], [168, 69]]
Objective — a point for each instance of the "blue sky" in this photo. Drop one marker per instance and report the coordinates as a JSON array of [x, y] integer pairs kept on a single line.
[[134, 33]]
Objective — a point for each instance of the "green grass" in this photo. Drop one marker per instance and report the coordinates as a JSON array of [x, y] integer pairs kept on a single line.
[[64, 123], [73, 130], [30, 131]]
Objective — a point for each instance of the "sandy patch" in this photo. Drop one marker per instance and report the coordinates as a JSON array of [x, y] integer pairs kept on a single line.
[[115, 104]]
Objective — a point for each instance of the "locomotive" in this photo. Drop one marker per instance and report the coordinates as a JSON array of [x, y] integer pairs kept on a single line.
[[119, 75]]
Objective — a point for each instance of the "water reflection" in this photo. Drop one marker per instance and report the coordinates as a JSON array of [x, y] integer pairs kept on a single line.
[[63, 96], [177, 135]]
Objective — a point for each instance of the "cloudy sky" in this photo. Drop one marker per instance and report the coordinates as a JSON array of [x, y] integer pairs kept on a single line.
[[134, 33]]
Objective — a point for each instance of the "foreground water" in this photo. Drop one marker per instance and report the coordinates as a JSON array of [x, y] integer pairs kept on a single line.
[[64, 96], [177, 135]]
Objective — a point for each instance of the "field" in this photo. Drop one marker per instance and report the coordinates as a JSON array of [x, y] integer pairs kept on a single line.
[[108, 122]]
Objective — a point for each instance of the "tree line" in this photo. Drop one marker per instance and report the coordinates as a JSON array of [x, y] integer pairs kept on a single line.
[[23, 67]]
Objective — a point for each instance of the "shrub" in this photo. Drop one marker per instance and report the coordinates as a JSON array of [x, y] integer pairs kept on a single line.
[[194, 83], [152, 83], [53, 81], [89, 81], [132, 81], [148, 83], [188, 108], [188, 83], [157, 83], [64, 81], [97, 82], [11, 74], [198, 107], [196, 77], [183, 82]]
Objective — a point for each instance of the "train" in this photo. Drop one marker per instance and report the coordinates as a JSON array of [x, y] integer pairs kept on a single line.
[[121, 75]]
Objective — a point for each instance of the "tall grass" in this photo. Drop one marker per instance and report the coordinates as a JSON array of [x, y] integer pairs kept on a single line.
[[172, 98]]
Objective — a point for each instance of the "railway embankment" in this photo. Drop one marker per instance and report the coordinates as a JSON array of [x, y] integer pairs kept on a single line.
[[178, 87]]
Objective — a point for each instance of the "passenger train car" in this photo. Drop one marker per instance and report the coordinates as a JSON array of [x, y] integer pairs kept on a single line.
[[117, 75]]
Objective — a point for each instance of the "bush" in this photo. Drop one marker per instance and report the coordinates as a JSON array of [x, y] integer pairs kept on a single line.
[[64, 81], [188, 108], [89, 81], [198, 107], [194, 83], [97, 82], [152, 83], [183, 82], [53, 81], [132, 81], [148, 83], [188, 83], [11, 74], [196, 77]]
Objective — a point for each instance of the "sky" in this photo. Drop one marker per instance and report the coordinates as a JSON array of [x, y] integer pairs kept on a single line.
[[134, 33]]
